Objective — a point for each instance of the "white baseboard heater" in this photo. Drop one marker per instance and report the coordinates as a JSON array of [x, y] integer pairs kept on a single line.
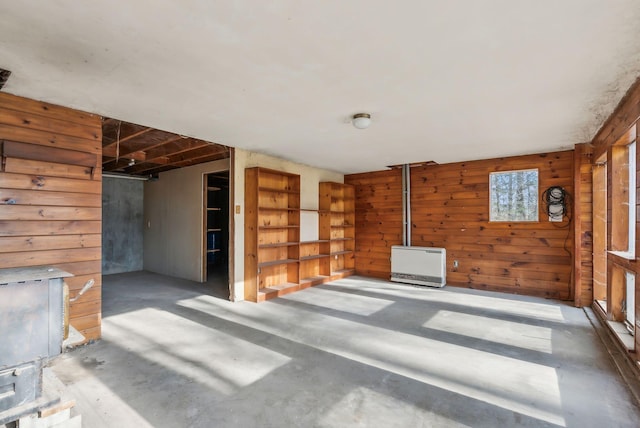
[[419, 265]]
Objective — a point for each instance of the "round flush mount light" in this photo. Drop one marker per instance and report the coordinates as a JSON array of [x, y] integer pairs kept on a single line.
[[361, 120]]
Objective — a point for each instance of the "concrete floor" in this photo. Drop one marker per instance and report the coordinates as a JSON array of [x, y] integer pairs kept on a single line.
[[356, 352]]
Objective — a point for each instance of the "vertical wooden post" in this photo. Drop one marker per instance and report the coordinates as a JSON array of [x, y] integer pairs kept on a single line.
[[576, 290]]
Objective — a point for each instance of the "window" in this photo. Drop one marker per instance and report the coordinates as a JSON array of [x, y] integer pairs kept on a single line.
[[623, 198], [513, 195], [629, 300]]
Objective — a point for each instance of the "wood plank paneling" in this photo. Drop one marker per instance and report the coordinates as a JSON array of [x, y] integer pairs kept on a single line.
[[50, 139], [43, 197], [540, 264], [583, 225], [378, 220], [51, 206], [450, 209], [619, 127], [12, 244], [52, 184]]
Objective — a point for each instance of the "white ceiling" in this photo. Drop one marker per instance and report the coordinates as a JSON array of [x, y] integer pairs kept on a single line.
[[444, 80]]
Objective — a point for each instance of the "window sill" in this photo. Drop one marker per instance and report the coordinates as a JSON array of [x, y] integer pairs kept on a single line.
[[625, 338], [623, 254], [619, 329]]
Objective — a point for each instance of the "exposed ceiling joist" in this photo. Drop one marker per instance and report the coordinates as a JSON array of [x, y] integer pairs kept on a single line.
[[145, 150]]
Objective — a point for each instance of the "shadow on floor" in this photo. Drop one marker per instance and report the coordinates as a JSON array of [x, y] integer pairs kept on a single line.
[[356, 352]]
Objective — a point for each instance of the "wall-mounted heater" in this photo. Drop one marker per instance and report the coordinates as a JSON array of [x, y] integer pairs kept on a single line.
[[419, 265]]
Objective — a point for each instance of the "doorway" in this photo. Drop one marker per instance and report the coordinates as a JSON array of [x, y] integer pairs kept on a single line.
[[216, 232]]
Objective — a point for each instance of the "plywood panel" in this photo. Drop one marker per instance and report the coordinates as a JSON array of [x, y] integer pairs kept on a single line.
[[51, 208]]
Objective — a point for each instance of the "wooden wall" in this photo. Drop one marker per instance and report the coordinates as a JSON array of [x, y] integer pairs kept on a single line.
[[450, 209], [378, 220], [50, 197], [627, 114], [583, 225]]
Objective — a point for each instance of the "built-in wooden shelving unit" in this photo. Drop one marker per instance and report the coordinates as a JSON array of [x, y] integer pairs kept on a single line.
[[337, 224], [276, 261], [272, 232]]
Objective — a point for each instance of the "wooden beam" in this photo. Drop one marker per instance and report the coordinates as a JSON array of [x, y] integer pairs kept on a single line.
[[155, 169], [141, 154], [181, 158], [127, 138], [175, 148], [575, 291]]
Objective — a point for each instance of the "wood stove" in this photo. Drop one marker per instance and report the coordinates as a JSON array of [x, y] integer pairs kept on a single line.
[[31, 331]]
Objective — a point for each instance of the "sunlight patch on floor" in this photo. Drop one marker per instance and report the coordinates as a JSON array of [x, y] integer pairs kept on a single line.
[[525, 336], [223, 362], [363, 407], [520, 306], [81, 382], [521, 386], [358, 305]]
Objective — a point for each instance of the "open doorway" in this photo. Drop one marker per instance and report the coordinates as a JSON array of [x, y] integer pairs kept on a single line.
[[215, 263]]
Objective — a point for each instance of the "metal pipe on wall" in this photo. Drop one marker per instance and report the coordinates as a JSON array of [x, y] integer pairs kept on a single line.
[[404, 206], [407, 182], [124, 176]]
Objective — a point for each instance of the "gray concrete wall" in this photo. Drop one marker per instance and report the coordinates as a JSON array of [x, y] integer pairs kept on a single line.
[[173, 224], [122, 225]]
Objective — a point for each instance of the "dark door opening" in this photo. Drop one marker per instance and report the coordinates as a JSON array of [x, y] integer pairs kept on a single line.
[[216, 229]]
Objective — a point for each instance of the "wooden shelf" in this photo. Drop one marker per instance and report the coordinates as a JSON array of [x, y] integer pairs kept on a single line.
[[213, 189], [314, 257], [272, 231], [278, 290], [343, 272], [214, 209], [277, 244], [214, 250], [273, 190], [314, 211], [277, 262], [278, 209], [214, 230], [338, 253], [314, 280], [339, 225]]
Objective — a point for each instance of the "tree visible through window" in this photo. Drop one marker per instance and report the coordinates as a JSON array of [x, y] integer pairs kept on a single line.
[[513, 195]]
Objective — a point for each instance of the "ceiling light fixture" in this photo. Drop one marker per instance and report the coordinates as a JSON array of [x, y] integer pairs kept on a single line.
[[361, 120]]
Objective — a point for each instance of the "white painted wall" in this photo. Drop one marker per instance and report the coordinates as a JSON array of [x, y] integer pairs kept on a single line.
[[173, 210], [310, 178]]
